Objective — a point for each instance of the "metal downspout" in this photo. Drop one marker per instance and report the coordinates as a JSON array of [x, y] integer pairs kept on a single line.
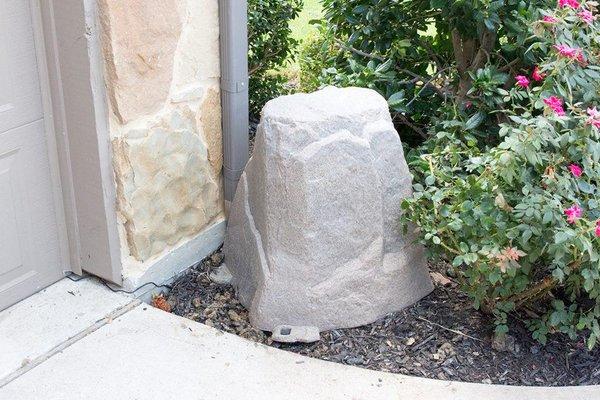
[[233, 18]]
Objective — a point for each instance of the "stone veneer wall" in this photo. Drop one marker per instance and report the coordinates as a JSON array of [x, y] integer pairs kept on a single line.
[[162, 80]]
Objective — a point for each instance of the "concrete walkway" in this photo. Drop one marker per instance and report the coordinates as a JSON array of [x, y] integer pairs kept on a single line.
[[120, 349]]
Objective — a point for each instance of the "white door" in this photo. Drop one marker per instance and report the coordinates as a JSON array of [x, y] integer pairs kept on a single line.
[[30, 243]]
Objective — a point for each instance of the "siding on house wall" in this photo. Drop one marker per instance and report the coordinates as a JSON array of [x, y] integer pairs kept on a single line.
[[162, 79]]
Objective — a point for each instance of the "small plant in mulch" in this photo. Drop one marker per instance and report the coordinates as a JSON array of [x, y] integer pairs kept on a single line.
[[517, 212]]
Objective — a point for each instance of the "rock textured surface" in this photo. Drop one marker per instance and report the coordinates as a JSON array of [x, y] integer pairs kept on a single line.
[[313, 236], [140, 39], [162, 79], [167, 186]]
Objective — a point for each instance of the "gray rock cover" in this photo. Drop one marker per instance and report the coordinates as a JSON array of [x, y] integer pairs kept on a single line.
[[313, 235]]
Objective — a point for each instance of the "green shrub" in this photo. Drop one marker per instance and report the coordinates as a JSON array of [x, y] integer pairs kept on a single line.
[[520, 219], [270, 46], [423, 54], [316, 54]]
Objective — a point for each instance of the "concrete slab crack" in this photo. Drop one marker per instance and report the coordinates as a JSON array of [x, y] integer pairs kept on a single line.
[[67, 343]]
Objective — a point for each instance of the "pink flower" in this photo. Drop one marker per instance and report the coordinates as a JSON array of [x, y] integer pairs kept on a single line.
[[587, 16], [548, 19], [573, 213], [572, 53], [537, 75], [597, 231], [594, 117], [576, 170], [556, 105], [568, 3], [522, 81]]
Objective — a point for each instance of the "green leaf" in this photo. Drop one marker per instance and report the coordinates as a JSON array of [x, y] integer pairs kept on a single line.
[[592, 74], [458, 261], [586, 187], [385, 66], [556, 318], [527, 235], [445, 211], [592, 342], [561, 237], [501, 329], [494, 277], [558, 274], [396, 99], [475, 120]]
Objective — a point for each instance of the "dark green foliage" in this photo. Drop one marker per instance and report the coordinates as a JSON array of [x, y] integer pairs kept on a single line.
[[270, 45], [424, 54], [315, 52]]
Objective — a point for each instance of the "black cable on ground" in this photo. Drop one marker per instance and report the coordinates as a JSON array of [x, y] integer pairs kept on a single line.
[[105, 283]]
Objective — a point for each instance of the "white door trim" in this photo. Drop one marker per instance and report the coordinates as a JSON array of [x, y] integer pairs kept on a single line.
[[79, 118], [51, 144]]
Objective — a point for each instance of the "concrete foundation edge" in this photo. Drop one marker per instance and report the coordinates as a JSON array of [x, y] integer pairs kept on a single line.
[[176, 262]]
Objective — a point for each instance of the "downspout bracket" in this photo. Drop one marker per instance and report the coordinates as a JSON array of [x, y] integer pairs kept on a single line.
[[234, 86]]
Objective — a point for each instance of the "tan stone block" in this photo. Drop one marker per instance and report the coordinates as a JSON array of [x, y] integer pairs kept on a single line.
[[139, 41], [209, 122], [165, 186], [197, 56], [162, 68]]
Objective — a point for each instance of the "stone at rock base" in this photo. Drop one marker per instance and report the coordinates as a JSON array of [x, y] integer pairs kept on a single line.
[[313, 236], [296, 334], [221, 276]]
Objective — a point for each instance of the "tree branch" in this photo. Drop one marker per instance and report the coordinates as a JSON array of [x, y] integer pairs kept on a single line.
[[488, 40], [459, 55], [427, 84], [405, 121], [357, 51]]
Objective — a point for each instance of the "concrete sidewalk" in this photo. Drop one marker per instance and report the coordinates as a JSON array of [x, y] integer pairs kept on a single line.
[[138, 352], [45, 323]]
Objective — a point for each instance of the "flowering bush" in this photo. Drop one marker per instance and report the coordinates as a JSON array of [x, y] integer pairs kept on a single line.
[[518, 216], [423, 54]]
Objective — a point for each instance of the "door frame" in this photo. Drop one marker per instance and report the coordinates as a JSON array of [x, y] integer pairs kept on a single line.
[[72, 79], [50, 135]]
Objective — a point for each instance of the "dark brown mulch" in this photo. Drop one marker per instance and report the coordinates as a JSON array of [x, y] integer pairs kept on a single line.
[[440, 337]]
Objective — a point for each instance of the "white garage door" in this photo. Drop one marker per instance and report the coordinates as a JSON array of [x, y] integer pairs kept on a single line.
[[30, 257]]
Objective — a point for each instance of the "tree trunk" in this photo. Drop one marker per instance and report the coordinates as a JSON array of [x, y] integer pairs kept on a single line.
[[470, 55]]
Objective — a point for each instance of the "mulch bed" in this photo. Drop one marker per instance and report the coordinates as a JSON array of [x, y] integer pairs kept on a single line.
[[440, 337]]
